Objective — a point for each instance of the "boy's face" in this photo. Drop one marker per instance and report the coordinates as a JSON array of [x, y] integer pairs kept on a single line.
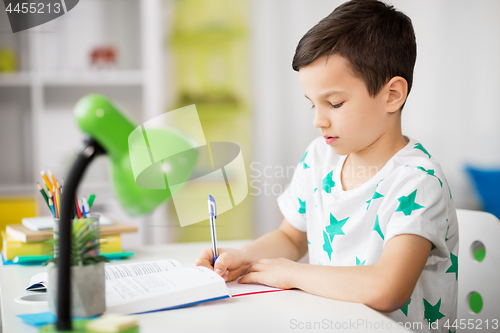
[[348, 118]]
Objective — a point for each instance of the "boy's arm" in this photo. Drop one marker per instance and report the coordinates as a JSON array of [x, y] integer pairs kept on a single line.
[[285, 242], [385, 286]]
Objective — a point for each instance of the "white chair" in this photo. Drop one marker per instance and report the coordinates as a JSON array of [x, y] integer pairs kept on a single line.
[[481, 277]]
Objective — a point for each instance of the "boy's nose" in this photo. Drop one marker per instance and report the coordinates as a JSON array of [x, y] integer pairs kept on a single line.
[[320, 121]]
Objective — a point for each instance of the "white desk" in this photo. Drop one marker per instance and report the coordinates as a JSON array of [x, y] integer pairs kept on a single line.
[[281, 311]]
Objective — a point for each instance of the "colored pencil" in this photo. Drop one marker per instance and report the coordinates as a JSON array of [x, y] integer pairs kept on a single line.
[[51, 206], [58, 199], [78, 211], [50, 195], [47, 181], [42, 191], [56, 183], [53, 196]]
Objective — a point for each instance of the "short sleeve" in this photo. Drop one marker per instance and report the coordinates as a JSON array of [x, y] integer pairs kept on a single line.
[[292, 202], [417, 204]]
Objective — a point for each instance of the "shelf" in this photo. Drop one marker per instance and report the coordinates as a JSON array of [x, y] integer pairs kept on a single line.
[[16, 79], [54, 70], [17, 190], [127, 98], [95, 78]]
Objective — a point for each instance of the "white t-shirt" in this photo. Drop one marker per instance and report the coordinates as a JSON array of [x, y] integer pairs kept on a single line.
[[409, 195]]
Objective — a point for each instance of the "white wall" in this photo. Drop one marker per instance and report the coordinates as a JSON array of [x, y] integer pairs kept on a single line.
[[453, 109]]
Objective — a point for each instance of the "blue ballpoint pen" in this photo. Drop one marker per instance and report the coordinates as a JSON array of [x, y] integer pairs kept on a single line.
[[212, 212], [85, 208]]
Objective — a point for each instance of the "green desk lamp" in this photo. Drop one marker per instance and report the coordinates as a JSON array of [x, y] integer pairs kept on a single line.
[[108, 133]]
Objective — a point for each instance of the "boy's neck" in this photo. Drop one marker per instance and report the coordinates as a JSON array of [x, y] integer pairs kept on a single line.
[[379, 152], [372, 158]]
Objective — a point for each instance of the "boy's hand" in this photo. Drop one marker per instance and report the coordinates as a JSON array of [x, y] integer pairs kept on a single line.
[[278, 273], [230, 264]]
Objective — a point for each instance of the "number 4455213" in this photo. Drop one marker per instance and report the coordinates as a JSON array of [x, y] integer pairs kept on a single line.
[[476, 324], [32, 7]]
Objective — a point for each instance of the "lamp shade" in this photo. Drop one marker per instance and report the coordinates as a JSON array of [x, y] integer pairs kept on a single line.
[[99, 118]]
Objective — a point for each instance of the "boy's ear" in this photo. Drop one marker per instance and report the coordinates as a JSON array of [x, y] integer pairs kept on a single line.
[[398, 90]]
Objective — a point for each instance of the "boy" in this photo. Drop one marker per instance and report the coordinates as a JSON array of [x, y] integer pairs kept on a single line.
[[371, 205]]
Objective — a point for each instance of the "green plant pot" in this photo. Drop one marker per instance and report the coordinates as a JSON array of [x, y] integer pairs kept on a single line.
[[87, 290]]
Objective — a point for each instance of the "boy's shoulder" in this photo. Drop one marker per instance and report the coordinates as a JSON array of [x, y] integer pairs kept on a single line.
[[414, 167], [414, 156]]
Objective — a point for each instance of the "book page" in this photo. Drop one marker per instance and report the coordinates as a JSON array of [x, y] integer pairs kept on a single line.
[[136, 288], [112, 272]]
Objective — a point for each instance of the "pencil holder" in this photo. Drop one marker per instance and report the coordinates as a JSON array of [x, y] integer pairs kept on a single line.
[[94, 225], [87, 269]]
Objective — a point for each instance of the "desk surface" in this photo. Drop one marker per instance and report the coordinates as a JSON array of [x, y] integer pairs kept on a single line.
[[291, 310]]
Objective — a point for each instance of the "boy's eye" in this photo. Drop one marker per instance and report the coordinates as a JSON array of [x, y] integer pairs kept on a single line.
[[336, 106]]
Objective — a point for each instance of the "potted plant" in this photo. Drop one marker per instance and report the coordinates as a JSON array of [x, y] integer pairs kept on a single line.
[[87, 270]]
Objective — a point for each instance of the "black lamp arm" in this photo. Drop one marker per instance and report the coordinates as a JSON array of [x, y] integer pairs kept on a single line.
[[91, 149]]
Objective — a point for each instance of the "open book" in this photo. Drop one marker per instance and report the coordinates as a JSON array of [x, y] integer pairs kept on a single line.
[[161, 285]]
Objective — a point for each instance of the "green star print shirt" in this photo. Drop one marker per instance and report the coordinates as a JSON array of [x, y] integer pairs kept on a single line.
[[409, 195]]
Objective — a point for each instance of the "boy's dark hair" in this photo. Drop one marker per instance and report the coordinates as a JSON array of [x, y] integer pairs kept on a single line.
[[377, 40]]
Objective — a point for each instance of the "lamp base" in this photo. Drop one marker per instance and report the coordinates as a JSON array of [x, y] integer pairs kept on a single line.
[[79, 327]]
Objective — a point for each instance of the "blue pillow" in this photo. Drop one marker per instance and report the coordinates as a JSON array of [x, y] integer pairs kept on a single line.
[[487, 183]]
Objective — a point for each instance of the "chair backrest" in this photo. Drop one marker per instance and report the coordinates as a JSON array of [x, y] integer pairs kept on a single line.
[[482, 277]]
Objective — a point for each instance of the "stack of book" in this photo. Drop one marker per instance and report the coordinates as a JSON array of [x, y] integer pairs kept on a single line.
[[20, 244]]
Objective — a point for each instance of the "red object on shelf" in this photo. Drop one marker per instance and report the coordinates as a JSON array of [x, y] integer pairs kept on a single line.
[[103, 56]]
